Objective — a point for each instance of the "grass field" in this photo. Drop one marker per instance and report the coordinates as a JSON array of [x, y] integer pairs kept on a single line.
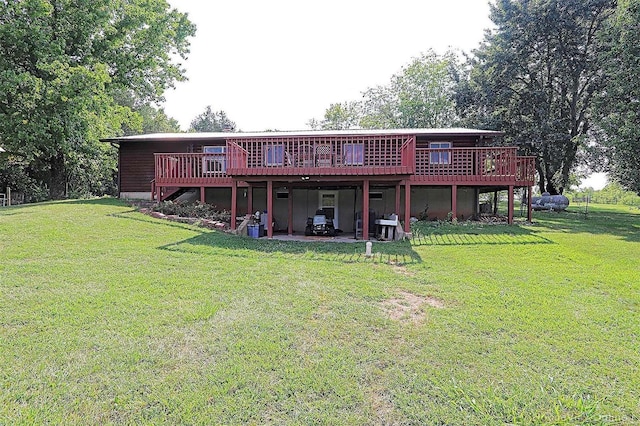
[[108, 316]]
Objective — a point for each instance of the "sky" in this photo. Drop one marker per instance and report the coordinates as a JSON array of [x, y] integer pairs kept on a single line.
[[274, 65]]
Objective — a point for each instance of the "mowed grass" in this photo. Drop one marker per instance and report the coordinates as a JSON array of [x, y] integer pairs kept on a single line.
[[108, 316]]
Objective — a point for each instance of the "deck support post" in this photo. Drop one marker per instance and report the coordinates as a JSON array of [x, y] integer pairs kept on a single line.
[[250, 199], [269, 209], [454, 203], [202, 195], [397, 211], [158, 193], [234, 203], [365, 210], [510, 206], [529, 208], [407, 207], [290, 221]]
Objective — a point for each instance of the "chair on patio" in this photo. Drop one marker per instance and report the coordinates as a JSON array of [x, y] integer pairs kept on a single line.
[[324, 155], [305, 156]]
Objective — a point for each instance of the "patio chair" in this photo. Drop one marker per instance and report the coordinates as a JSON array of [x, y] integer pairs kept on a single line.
[[305, 156], [324, 155]]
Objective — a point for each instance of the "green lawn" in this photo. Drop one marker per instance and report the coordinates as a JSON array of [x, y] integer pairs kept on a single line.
[[110, 316]]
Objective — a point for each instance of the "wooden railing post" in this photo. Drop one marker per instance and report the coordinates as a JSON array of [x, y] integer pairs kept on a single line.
[[454, 203], [365, 210], [510, 205], [407, 207], [234, 203]]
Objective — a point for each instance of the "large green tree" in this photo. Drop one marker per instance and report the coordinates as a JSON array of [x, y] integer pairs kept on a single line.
[[536, 77], [619, 105], [422, 94], [339, 116], [212, 121], [66, 66]]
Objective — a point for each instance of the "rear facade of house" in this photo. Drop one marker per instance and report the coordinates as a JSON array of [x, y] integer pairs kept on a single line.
[[355, 176]]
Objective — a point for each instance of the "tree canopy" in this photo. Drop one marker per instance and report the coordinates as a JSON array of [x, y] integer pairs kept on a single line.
[[73, 71], [339, 116], [421, 95], [536, 76], [210, 121], [619, 104]]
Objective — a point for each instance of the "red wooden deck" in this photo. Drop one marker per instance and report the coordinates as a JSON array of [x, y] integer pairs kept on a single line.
[[396, 159], [348, 158]]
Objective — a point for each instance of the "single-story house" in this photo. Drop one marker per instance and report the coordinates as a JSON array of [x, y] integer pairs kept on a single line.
[[290, 175]]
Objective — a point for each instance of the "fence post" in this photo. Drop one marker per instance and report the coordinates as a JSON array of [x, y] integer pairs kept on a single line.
[[8, 196]]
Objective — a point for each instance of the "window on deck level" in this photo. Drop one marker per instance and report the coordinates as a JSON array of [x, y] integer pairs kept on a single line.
[[216, 161], [353, 154], [274, 155], [439, 157]]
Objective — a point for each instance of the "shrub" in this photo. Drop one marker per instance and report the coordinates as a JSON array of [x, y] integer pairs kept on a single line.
[[197, 209]]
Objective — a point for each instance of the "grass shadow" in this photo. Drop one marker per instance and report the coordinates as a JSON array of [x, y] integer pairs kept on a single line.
[[395, 253], [598, 221], [438, 234], [217, 242]]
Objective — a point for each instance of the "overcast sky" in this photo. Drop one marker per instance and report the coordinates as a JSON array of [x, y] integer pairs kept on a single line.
[[276, 64]]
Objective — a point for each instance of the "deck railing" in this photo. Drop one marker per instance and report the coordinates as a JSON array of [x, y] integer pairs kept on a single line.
[[388, 154], [352, 156], [189, 168], [495, 164], [526, 170]]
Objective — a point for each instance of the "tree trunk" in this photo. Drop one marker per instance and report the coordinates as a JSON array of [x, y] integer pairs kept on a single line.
[[58, 178], [548, 175], [541, 176], [551, 189]]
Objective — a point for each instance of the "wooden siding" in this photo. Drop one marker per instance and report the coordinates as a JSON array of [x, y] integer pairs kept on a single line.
[[137, 167]]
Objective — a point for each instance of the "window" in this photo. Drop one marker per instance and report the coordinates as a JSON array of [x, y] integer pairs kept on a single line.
[[274, 155], [440, 157], [217, 161], [353, 154]]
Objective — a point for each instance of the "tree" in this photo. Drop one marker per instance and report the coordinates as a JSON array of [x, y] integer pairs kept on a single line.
[[155, 120], [619, 106], [66, 65], [339, 116], [536, 77], [210, 121], [421, 95]]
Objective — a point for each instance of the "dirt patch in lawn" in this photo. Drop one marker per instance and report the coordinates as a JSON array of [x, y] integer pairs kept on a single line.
[[402, 270], [408, 307]]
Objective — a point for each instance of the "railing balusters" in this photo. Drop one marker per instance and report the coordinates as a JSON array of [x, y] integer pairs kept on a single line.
[[350, 155]]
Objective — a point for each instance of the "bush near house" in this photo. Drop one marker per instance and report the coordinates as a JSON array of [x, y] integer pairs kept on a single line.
[[197, 209]]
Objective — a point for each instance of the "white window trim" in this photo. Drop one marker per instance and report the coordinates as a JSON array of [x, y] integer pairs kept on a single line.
[[218, 155], [442, 157]]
